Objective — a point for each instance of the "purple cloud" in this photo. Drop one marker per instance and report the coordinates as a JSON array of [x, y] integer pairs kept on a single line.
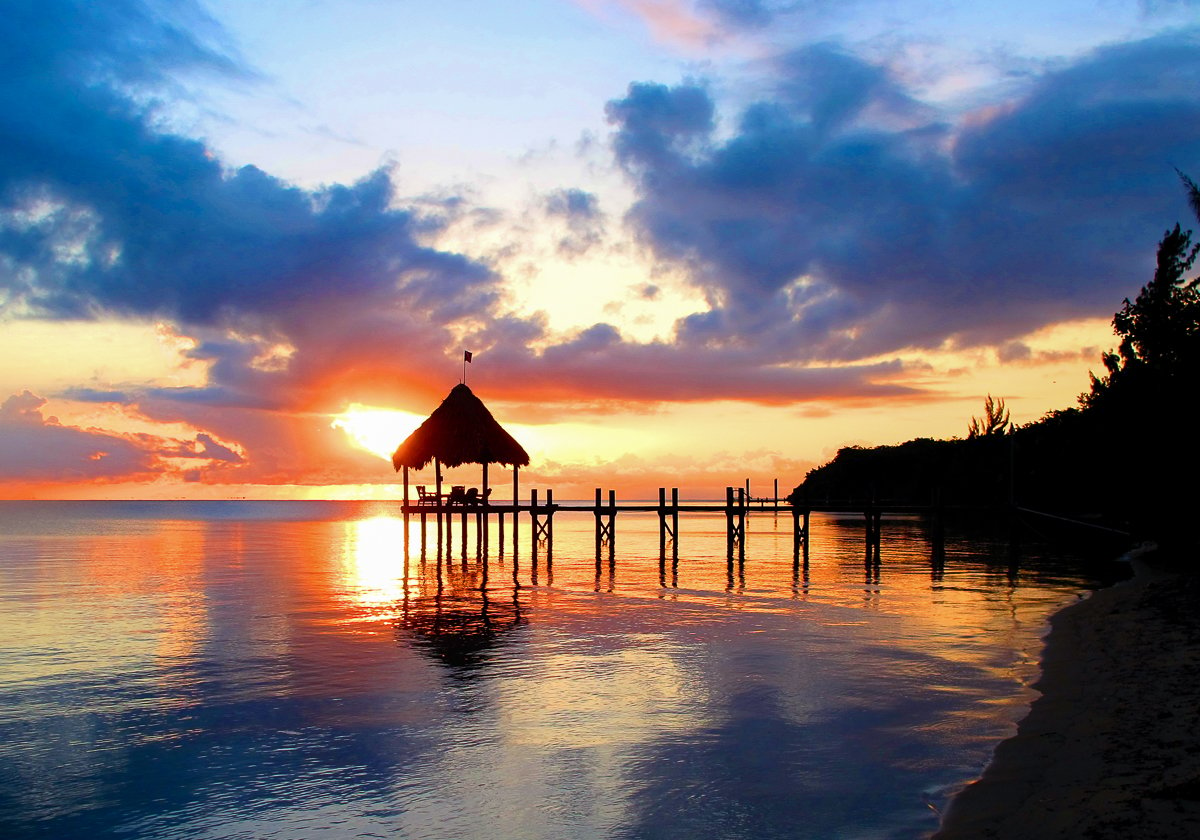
[[831, 234], [35, 447]]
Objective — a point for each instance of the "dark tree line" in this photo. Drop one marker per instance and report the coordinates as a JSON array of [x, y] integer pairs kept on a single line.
[[1127, 455]]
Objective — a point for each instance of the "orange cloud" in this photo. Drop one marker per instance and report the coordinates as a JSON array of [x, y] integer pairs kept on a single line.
[[669, 21]]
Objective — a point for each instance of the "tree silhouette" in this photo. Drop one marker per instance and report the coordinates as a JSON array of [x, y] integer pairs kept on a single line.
[[1141, 407], [994, 421], [1159, 331], [1128, 454], [1193, 193]]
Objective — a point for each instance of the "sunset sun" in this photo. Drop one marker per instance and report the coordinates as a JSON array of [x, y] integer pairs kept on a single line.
[[377, 430]]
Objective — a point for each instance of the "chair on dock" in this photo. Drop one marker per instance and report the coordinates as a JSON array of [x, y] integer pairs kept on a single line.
[[472, 498], [425, 498]]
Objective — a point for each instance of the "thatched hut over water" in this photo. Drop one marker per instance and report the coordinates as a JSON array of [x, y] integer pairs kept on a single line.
[[460, 431]]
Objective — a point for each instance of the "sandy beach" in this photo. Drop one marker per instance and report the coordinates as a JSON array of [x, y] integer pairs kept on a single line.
[[1112, 747]]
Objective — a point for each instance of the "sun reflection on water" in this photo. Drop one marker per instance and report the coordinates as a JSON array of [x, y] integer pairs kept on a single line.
[[375, 572]]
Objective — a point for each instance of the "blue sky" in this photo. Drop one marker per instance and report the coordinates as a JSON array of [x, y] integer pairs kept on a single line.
[[655, 218]]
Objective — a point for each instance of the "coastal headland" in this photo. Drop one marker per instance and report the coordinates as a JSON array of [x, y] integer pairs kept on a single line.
[[1112, 747]]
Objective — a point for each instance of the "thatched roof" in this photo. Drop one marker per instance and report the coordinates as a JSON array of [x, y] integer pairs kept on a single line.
[[460, 431]]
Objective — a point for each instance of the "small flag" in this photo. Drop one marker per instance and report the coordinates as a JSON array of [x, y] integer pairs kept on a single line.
[[466, 355]]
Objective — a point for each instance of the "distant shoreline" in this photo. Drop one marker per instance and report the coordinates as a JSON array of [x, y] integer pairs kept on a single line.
[[1112, 747]]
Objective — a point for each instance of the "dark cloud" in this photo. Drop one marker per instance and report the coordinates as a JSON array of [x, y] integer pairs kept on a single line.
[[659, 123], [833, 87], [841, 226], [122, 42], [104, 213], [580, 211]]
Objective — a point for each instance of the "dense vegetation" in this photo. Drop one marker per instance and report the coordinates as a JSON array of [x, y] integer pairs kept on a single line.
[[1127, 455]]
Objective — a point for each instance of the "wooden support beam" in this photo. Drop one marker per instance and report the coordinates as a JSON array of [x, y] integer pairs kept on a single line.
[[799, 530], [543, 530], [533, 535], [612, 524], [675, 524], [405, 509], [729, 526], [662, 529], [481, 520], [549, 532], [437, 474], [500, 529], [600, 530]]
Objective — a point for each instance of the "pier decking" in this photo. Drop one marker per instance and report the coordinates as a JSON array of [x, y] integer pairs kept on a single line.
[[737, 506]]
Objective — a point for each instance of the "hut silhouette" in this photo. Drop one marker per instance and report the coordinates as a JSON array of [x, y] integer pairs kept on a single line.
[[459, 431]]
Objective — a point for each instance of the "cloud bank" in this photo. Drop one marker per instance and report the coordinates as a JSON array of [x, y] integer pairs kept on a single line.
[[843, 219], [834, 223]]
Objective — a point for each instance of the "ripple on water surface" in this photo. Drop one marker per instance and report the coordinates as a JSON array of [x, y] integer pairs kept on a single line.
[[283, 670]]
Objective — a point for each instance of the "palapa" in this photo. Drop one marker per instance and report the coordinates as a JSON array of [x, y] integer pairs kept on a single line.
[[460, 431]]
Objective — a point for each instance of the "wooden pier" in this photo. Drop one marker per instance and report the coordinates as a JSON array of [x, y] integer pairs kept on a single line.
[[604, 509]]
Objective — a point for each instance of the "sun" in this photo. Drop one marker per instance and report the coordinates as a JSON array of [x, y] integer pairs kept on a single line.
[[377, 430]]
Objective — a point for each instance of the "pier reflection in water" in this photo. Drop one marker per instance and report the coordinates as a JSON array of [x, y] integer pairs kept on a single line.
[[285, 670]]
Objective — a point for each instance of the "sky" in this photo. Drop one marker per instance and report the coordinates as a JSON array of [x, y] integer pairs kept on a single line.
[[243, 246]]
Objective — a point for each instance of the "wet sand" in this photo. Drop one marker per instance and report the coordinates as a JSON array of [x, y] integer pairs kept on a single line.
[[1112, 747]]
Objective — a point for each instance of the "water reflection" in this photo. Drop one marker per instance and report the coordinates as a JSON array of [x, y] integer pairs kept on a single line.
[[461, 620], [241, 675], [370, 559]]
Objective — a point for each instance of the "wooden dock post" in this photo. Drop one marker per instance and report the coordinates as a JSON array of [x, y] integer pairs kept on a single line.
[[873, 516], [605, 531], [867, 536], [437, 474], [533, 513], [735, 522], [729, 529], [424, 523], [549, 531], [663, 525], [404, 508], [743, 503], [937, 528], [612, 524], [599, 525], [799, 529], [463, 521], [481, 519], [516, 509], [666, 530], [543, 531], [675, 523]]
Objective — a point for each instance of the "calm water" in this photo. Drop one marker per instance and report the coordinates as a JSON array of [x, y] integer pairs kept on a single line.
[[278, 670]]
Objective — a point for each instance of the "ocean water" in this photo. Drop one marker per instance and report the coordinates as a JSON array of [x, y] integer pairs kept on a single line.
[[284, 670]]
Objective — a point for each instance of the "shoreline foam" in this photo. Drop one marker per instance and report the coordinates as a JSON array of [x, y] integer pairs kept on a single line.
[[1112, 747]]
